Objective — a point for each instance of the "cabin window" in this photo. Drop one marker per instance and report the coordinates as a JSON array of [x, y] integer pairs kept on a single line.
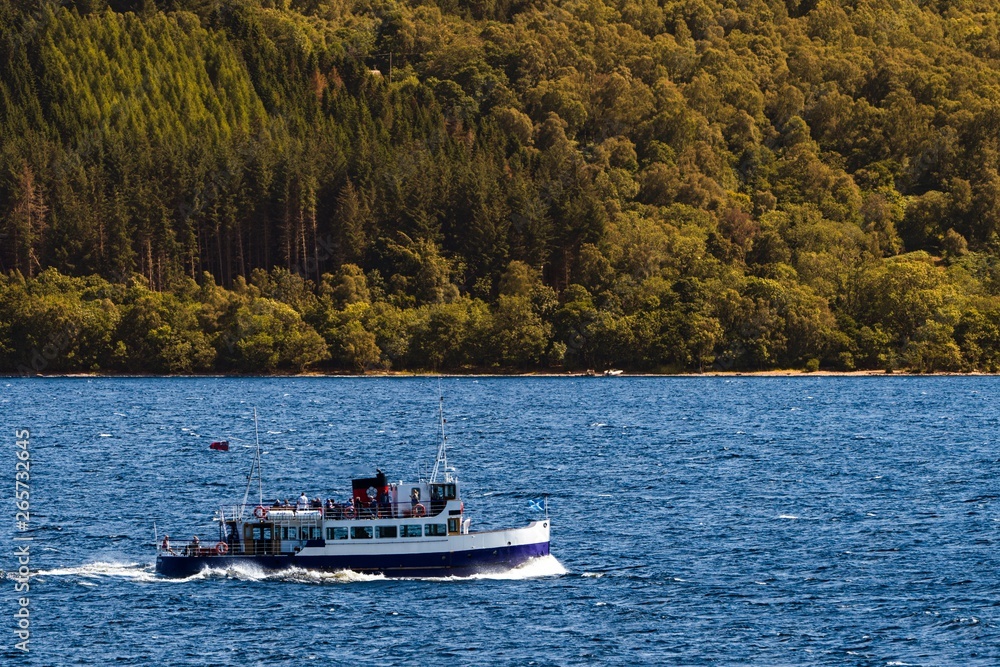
[[256, 534], [317, 532], [336, 533], [385, 531], [361, 532], [452, 525], [267, 534], [293, 533], [411, 530], [435, 529], [443, 492]]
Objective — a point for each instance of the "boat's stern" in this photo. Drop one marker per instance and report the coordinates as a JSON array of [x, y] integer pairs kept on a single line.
[[173, 566]]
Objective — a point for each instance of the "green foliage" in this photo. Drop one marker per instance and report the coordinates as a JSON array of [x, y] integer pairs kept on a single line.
[[160, 333], [672, 186], [57, 324], [266, 335]]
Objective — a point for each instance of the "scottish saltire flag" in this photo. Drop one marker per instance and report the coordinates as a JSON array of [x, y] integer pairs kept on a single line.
[[537, 504]]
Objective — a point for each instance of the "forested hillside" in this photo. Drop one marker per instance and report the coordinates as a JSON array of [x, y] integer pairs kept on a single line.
[[664, 185]]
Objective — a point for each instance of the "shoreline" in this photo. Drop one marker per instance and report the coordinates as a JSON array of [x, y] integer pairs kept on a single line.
[[531, 374]]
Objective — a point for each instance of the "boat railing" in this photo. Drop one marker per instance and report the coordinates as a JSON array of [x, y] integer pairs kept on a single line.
[[203, 549], [338, 511], [400, 510], [252, 512], [193, 548]]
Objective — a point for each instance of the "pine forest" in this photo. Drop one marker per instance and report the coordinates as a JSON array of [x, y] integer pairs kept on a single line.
[[260, 186]]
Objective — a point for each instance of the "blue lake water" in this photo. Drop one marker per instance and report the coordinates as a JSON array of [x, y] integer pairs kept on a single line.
[[695, 521]]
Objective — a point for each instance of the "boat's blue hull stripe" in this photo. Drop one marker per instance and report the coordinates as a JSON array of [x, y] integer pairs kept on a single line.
[[440, 564]]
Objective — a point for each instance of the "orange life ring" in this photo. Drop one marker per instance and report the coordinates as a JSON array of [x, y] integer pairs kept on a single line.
[[221, 549], [419, 510], [260, 511], [349, 512]]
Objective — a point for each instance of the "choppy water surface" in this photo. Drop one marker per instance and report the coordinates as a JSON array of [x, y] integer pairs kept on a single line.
[[696, 521]]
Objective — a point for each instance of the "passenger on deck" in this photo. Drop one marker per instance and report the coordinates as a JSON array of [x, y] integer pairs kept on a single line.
[[166, 545], [414, 498], [303, 502], [317, 503]]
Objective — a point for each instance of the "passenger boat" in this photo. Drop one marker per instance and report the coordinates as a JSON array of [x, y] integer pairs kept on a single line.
[[399, 529]]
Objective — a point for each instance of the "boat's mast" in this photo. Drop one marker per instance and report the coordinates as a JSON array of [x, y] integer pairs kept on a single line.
[[255, 465], [442, 455], [246, 493], [260, 477]]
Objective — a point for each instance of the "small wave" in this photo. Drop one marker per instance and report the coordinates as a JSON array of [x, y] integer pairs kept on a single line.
[[543, 566], [104, 435], [598, 425], [593, 575], [298, 575], [99, 569], [787, 516]]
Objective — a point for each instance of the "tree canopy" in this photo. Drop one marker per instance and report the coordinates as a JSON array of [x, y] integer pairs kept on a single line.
[[263, 185]]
